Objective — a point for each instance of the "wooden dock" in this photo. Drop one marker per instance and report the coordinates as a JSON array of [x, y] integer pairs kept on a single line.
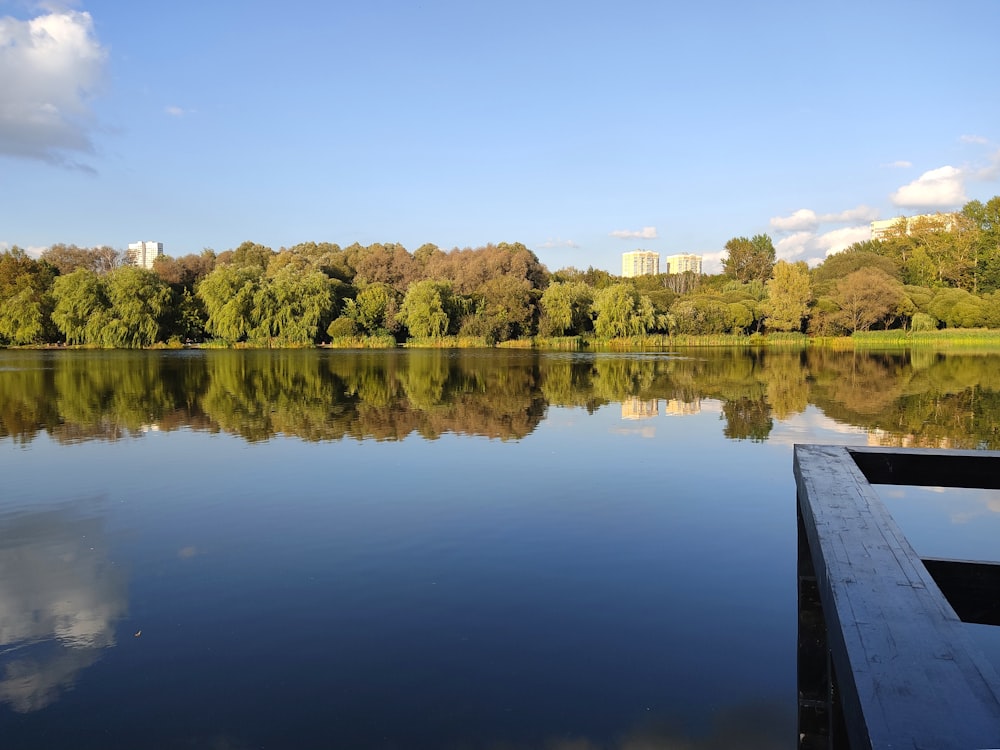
[[884, 659]]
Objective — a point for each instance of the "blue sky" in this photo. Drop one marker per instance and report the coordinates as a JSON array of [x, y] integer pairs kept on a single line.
[[582, 129]]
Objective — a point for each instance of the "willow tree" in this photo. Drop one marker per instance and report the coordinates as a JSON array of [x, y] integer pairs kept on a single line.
[[425, 309], [138, 300], [25, 299], [292, 308], [565, 308], [81, 306], [621, 311], [229, 294]]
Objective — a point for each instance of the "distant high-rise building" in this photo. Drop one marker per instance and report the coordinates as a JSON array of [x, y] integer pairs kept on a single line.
[[887, 227], [144, 254], [640, 263], [684, 262]]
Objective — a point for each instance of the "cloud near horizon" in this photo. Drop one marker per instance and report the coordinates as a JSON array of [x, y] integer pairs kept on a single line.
[[52, 66], [943, 187], [646, 233], [814, 248], [551, 244], [805, 219]]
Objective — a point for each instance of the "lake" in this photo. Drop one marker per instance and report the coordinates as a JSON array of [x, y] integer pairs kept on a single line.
[[436, 549]]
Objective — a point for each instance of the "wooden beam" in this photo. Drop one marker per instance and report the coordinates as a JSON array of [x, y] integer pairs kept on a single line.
[[909, 675]]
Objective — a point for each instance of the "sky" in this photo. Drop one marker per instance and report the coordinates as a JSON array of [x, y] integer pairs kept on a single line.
[[581, 129]]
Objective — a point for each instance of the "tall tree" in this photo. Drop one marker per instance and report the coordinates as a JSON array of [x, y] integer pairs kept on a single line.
[[788, 297], [749, 259], [81, 306], [292, 308], [25, 299], [138, 299], [228, 294]]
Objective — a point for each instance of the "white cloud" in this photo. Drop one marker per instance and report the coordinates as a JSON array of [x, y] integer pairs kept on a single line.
[[901, 164], [550, 244], [838, 239], [939, 188], [646, 233], [861, 213], [175, 111], [805, 219], [794, 245], [51, 67], [977, 139], [813, 247], [711, 262]]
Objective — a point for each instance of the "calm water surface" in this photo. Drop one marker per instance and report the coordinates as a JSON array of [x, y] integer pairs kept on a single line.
[[430, 549]]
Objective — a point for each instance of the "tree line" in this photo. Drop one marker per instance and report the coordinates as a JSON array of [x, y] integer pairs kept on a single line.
[[937, 272]]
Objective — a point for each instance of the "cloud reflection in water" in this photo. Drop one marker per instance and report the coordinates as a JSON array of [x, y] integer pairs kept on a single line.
[[60, 597]]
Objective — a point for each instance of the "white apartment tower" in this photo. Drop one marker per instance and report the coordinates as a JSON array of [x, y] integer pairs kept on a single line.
[[683, 263], [640, 263], [143, 254], [941, 222]]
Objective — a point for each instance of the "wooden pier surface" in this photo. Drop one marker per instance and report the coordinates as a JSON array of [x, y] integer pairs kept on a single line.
[[907, 672]]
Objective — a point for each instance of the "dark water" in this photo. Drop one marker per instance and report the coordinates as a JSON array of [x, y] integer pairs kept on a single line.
[[428, 549]]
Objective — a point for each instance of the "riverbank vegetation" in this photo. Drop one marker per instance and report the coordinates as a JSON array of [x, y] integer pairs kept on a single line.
[[935, 274]]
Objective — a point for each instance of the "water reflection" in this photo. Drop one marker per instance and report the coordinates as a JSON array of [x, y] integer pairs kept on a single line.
[[923, 400], [60, 597]]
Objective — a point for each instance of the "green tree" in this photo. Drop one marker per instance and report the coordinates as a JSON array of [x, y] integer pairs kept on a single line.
[[957, 308], [749, 259], [504, 309], [291, 308], [621, 312], [138, 300], [705, 315], [247, 254], [565, 308], [25, 299], [985, 217], [860, 255], [375, 308], [788, 297], [425, 309], [81, 306], [229, 294]]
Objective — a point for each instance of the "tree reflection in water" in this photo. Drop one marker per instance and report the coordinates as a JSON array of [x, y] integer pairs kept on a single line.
[[919, 399]]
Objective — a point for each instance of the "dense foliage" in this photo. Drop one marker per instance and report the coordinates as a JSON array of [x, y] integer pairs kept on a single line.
[[936, 272]]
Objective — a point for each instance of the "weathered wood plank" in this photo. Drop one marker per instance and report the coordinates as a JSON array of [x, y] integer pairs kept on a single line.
[[909, 675]]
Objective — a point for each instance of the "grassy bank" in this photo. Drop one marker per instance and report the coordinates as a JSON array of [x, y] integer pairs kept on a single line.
[[957, 339]]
